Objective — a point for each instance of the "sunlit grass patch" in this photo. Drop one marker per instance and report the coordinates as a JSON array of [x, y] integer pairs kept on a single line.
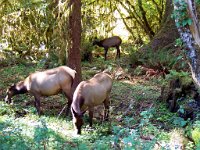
[[50, 132], [36, 132], [6, 109]]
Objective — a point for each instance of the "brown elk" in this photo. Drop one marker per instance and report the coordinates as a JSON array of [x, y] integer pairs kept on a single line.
[[45, 83], [89, 94], [106, 43]]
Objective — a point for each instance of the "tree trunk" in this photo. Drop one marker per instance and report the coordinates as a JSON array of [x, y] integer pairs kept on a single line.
[[190, 35], [74, 55], [168, 33]]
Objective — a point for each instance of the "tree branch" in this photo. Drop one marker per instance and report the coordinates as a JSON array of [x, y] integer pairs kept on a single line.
[[160, 11], [145, 22]]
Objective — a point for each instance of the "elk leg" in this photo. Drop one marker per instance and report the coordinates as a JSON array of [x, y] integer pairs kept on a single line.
[[37, 104], [106, 110], [118, 51], [69, 102], [68, 106], [91, 110], [105, 54]]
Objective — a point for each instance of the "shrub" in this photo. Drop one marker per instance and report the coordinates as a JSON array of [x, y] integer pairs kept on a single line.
[[86, 52], [195, 133], [196, 136], [158, 60], [134, 56]]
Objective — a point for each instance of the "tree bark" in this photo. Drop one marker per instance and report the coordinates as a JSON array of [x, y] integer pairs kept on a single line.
[[190, 35], [194, 27], [168, 33], [74, 55]]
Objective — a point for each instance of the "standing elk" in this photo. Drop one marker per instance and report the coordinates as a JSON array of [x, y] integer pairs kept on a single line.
[[89, 94], [45, 83], [106, 43]]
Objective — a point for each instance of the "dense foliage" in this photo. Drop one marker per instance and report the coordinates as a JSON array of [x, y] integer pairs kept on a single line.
[[31, 28]]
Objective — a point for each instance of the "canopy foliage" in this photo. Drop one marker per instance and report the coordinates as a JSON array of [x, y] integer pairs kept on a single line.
[[32, 27]]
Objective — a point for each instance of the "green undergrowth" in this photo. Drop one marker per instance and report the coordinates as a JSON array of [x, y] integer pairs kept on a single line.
[[137, 119]]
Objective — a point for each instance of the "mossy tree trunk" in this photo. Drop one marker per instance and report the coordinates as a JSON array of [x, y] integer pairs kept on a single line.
[[190, 34], [168, 33], [74, 43]]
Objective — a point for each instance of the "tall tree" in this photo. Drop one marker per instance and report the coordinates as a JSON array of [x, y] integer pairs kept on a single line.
[[187, 21], [168, 32], [74, 28]]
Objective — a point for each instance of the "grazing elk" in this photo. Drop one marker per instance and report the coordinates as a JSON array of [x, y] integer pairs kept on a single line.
[[45, 83], [89, 94], [114, 41]]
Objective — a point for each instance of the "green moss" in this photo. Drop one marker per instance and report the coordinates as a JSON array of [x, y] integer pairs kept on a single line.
[[196, 135], [185, 81]]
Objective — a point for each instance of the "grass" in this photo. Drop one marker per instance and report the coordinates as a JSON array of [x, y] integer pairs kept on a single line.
[[137, 119]]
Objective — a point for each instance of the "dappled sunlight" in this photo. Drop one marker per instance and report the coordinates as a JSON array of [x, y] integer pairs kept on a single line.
[[31, 122], [120, 29], [131, 82]]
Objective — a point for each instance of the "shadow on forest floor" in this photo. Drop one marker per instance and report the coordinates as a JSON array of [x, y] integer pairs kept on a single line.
[[135, 115]]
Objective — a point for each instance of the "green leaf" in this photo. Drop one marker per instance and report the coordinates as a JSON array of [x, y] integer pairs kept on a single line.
[[178, 24], [189, 21], [184, 23], [178, 121]]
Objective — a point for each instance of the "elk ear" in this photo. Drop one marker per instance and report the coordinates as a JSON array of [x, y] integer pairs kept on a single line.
[[77, 114], [73, 112]]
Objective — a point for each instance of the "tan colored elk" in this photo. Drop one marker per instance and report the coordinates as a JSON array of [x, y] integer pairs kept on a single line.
[[89, 94], [45, 83]]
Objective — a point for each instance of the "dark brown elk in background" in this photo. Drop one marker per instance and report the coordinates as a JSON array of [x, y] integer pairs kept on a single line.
[[89, 94], [114, 41], [45, 83]]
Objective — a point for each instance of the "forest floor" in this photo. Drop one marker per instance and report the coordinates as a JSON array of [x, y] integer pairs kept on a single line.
[[137, 119]]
